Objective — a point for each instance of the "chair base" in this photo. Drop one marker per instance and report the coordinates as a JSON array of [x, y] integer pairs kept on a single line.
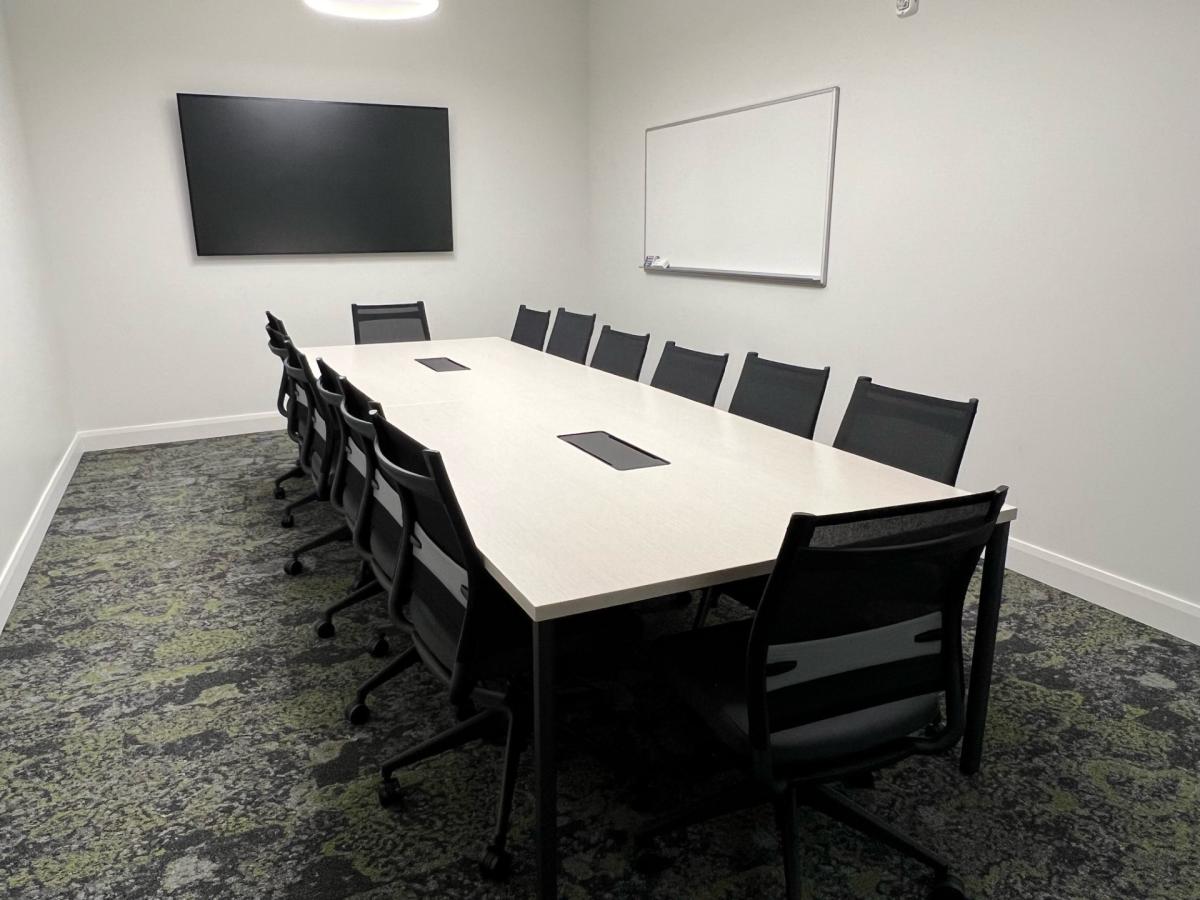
[[293, 472], [496, 862], [326, 628], [357, 712], [822, 798], [295, 566], [288, 519]]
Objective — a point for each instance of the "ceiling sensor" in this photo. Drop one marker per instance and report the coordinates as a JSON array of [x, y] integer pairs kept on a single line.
[[906, 8]]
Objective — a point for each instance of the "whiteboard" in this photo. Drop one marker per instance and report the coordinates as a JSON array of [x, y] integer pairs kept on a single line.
[[746, 192]]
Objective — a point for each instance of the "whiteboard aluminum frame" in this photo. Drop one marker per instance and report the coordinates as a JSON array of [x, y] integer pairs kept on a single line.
[[783, 277]]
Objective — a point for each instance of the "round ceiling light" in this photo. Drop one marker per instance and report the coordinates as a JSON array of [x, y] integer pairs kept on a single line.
[[374, 9]]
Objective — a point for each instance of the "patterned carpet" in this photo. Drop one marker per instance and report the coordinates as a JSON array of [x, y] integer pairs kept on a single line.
[[172, 728]]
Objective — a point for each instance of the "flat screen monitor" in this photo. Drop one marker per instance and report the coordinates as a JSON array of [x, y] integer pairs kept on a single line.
[[270, 176]]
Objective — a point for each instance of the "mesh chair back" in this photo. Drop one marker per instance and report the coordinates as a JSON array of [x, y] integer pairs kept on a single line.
[[690, 373], [620, 353], [277, 343], [530, 327], [330, 393], [864, 612], [780, 395], [389, 323], [358, 468], [275, 323], [312, 418], [453, 608], [923, 435], [571, 336]]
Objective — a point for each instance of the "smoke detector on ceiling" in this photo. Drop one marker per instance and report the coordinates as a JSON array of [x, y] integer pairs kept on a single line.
[[906, 8]]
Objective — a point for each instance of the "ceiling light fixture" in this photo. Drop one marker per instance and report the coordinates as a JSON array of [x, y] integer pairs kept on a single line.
[[379, 10]]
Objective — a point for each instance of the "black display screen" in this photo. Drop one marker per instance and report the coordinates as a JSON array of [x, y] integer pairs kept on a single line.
[[302, 176]]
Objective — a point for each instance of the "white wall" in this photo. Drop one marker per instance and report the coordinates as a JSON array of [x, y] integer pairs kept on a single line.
[[1014, 218], [36, 426], [97, 82]]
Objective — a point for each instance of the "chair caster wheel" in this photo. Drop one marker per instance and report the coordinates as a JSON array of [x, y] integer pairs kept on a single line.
[[280, 493], [358, 713], [496, 864], [390, 794], [287, 521], [380, 648], [326, 630], [293, 567], [948, 888]]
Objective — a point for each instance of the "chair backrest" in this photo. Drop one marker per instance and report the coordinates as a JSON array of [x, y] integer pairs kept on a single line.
[[530, 327], [571, 335], [312, 418], [275, 323], [358, 469], [690, 373], [620, 353], [389, 323], [923, 435], [277, 343], [331, 394], [453, 605], [863, 614], [780, 395]]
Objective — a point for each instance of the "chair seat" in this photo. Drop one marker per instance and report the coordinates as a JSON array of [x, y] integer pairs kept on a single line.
[[708, 668]]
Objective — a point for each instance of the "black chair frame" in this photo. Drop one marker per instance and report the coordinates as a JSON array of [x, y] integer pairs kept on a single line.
[[945, 469], [277, 343], [329, 397], [619, 353], [481, 710], [365, 314], [571, 335], [530, 328], [956, 550], [667, 375]]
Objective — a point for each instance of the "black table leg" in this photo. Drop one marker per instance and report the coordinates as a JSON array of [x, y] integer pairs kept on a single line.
[[546, 777], [991, 589]]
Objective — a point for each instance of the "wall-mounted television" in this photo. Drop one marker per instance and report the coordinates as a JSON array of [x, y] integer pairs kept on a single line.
[[271, 176]]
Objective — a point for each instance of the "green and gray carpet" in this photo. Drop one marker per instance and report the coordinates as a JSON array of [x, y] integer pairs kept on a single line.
[[171, 727]]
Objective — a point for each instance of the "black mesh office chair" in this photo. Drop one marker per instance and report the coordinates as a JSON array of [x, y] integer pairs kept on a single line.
[[530, 327], [305, 409], [855, 648], [277, 343], [379, 537], [690, 373], [923, 435], [780, 395], [330, 432], [352, 479], [389, 323], [571, 335], [619, 353], [465, 628]]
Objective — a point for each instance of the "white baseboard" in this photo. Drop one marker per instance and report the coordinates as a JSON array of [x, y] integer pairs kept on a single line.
[[1155, 608], [12, 576], [184, 430]]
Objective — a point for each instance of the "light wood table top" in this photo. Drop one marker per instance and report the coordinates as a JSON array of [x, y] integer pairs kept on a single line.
[[565, 533]]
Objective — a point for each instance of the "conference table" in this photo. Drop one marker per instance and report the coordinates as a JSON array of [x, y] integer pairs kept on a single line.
[[566, 533]]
